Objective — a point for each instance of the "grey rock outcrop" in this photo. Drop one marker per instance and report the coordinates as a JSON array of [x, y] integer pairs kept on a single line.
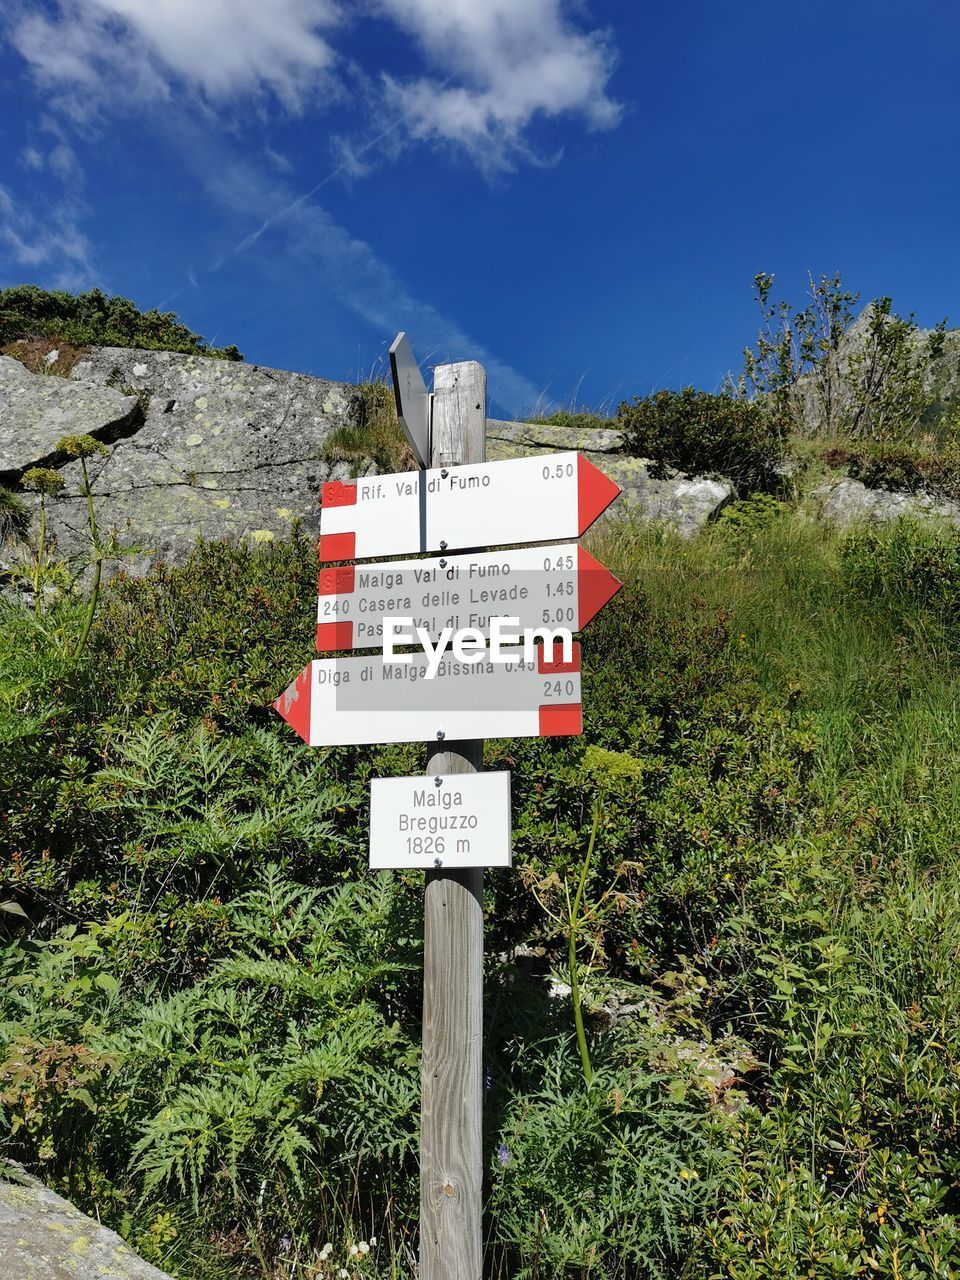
[[205, 448], [43, 1237], [37, 409], [223, 450], [650, 490], [849, 502]]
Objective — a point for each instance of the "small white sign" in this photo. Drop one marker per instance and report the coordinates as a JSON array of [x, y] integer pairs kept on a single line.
[[447, 820]]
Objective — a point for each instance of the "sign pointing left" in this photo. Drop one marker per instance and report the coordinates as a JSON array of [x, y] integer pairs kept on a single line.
[[336, 702]]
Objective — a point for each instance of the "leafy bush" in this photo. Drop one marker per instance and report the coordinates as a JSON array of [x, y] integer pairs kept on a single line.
[[819, 372], [914, 567], [268, 1089], [27, 311], [699, 432], [903, 468]]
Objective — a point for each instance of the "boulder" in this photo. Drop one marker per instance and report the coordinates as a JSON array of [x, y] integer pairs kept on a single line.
[[650, 490], [849, 502], [43, 1237], [37, 409], [224, 450]]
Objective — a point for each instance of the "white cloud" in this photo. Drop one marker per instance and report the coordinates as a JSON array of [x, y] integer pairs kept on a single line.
[[31, 158], [221, 48], [63, 162], [496, 66], [500, 65]]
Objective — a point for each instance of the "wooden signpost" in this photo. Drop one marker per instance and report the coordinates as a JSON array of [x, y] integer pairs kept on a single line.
[[454, 821]]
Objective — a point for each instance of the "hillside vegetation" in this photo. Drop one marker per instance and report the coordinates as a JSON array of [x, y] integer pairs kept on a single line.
[[209, 1007], [28, 313]]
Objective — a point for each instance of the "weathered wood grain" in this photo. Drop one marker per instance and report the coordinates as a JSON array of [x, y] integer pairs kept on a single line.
[[451, 1159]]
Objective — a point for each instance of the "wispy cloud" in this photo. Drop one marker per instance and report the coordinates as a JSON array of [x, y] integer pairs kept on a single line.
[[350, 270], [488, 70], [47, 237], [220, 48], [497, 66]]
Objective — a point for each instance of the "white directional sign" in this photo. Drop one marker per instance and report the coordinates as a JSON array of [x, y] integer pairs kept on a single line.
[[544, 498], [449, 820], [557, 586], [413, 398], [342, 701]]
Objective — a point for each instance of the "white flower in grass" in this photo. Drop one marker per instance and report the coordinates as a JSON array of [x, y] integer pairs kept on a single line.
[[343, 1273], [326, 1250], [363, 1247], [354, 1250], [373, 1242]]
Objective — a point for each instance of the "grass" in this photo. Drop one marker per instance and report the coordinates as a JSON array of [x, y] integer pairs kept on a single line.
[[880, 686]]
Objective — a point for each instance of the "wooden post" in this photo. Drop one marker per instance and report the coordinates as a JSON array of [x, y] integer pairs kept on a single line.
[[451, 1159]]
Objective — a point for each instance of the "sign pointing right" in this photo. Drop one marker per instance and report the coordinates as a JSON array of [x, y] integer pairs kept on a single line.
[[556, 586], [543, 498]]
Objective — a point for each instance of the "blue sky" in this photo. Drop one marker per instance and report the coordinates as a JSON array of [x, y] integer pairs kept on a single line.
[[576, 194]]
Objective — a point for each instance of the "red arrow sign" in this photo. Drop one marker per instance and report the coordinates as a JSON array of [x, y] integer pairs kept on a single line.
[[543, 498], [556, 586]]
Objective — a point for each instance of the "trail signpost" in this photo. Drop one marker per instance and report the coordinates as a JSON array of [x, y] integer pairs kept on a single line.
[[456, 819], [540, 586], [538, 499], [338, 702]]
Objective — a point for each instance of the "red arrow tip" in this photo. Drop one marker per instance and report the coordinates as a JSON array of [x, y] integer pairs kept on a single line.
[[294, 703], [595, 492], [595, 586]]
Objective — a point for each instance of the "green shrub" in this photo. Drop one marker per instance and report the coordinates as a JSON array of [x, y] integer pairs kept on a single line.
[[264, 1093], [220, 635], [578, 420], [904, 468], [751, 516], [699, 432], [27, 311], [913, 567]]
